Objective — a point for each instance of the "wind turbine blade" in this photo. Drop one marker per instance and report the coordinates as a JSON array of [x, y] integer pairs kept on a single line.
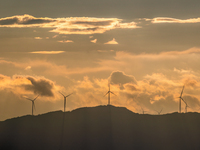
[[182, 91], [35, 98], [69, 95], [156, 111], [183, 100], [106, 93], [29, 99], [61, 93], [160, 110], [113, 93]]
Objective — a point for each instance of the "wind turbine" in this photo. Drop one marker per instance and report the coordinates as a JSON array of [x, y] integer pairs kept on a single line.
[[33, 102], [109, 94], [65, 96], [186, 105], [180, 98], [143, 111], [159, 112]]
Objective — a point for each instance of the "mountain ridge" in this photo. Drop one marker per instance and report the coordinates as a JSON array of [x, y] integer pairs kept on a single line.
[[101, 127]]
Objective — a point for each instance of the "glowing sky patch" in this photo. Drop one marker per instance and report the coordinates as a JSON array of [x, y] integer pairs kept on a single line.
[[38, 38], [47, 52], [113, 41], [73, 25], [174, 20], [94, 41]]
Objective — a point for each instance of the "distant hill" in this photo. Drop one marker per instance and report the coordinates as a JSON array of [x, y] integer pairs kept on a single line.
[[101, 128]]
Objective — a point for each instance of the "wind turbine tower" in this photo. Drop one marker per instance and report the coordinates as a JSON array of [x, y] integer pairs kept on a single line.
[[186, 106], [33, 102], [65, 96], [180, 98], [143, 111], [109, 94], [159, 112]]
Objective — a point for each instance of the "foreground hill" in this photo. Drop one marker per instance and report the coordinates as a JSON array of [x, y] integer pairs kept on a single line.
[[101, 128]]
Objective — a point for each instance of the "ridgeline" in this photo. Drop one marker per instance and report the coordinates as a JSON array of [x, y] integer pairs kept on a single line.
[[101, 128]]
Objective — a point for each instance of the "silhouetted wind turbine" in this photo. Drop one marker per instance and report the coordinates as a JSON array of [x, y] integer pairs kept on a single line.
[[143, 111], [65, 96], [109, 94], [159, 112], [180, 98], [186, 105], [33, 102]]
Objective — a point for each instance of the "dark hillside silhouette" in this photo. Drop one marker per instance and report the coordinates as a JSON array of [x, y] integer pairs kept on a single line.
[[101, 128]]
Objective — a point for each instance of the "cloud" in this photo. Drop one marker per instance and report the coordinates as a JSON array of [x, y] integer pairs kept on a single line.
[[28, 68], [156, 91], [104, 51], [47, 52], [55, 36], [190, 82], [94, 41], [174, 20], [66, 41], [152, 92], [21, 85], [130, 25], [38, 38], [25, 21], [90, 36], [113, 41], [72, 25], [120, 78], [41, 86]]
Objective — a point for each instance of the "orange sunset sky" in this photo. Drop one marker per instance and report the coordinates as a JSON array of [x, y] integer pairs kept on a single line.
[[146, 49]]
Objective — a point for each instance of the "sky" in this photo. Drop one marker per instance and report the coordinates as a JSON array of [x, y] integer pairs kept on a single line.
[[147, 50]]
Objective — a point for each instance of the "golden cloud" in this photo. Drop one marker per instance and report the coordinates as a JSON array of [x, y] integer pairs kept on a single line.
[[72, 25], [47, 52], [94, 41], [21, 85], [153, 92], [28, 68], [174, 20], [66, 41], [38, 38], [113, 41], [26, 21]]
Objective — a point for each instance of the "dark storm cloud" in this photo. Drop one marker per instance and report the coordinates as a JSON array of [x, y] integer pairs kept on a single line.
[[121, 78], [42, 87]]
